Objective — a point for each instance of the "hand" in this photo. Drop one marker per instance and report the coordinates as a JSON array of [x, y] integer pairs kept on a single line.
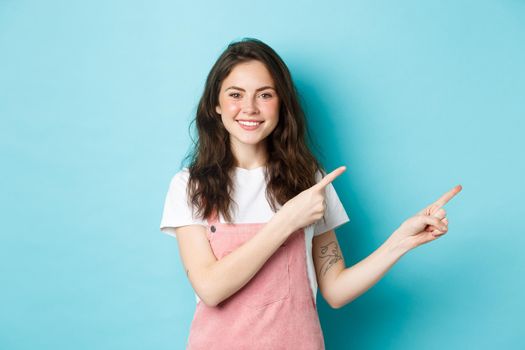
[[309, 205], [427, 225]]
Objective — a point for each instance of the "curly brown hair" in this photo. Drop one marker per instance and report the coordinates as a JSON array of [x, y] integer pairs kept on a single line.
[[291, 166]]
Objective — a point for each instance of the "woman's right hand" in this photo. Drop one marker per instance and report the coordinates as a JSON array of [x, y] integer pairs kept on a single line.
[[309, 205]]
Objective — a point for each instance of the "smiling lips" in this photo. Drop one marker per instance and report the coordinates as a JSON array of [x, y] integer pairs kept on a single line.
[[249, 124]]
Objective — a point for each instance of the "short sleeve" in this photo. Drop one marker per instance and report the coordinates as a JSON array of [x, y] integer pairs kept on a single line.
[[177, 212], [335, 214]]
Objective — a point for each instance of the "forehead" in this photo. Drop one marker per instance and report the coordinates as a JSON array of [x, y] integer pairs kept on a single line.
[[251, 74]]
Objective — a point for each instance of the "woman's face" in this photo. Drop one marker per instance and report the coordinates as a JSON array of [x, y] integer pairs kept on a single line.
[[248, 103]]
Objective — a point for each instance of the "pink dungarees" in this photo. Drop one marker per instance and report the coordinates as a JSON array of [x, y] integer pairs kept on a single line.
[[274, 310]]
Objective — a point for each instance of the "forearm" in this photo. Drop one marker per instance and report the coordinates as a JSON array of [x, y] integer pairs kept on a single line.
[[229, 274], [357, 279]]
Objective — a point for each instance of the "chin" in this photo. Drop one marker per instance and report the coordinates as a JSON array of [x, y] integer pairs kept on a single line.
[[250, 140]]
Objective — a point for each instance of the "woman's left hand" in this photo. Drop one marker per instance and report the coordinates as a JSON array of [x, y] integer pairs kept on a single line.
[[427, 225]]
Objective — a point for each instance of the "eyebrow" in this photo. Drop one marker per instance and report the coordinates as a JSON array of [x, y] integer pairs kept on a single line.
[[259, 89]]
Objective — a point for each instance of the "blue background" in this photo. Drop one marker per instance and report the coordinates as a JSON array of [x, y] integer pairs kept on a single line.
[[413, 97]]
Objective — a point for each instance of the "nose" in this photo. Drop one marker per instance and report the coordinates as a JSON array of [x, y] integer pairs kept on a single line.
[[249, 106]]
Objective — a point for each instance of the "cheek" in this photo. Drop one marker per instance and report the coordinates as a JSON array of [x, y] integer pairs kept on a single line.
[[271, 107], [231, 106]]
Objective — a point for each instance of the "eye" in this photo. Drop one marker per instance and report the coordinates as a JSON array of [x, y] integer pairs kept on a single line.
[[266, 95], [234, 94]]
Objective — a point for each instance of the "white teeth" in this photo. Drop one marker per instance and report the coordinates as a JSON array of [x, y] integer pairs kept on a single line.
[[249, 123]]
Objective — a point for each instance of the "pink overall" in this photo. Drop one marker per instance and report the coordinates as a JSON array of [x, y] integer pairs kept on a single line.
[[274, 310]]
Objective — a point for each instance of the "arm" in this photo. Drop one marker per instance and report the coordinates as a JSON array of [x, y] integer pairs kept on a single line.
[[340, 285], [216, 280]]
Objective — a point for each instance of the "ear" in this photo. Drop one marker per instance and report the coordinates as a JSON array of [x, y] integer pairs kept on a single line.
[[218, 109]]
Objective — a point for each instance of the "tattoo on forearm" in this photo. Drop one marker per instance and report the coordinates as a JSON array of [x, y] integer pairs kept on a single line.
[[330, 255]]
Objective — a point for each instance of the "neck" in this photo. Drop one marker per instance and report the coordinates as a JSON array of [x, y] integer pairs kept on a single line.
[[250, 156]]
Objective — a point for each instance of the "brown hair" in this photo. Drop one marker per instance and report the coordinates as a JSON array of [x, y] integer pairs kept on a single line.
[[291, 166]]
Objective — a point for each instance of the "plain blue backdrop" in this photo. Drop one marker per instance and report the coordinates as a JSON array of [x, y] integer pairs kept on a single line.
[[413, 97]]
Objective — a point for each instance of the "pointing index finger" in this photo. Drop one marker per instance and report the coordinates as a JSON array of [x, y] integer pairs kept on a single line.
[[447, 197], [325, 181]]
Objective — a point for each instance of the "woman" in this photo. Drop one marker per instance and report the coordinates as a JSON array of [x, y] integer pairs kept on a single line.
[[255, 214]]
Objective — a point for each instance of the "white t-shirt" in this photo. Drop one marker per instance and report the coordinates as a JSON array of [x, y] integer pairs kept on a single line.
[[250, 195]]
